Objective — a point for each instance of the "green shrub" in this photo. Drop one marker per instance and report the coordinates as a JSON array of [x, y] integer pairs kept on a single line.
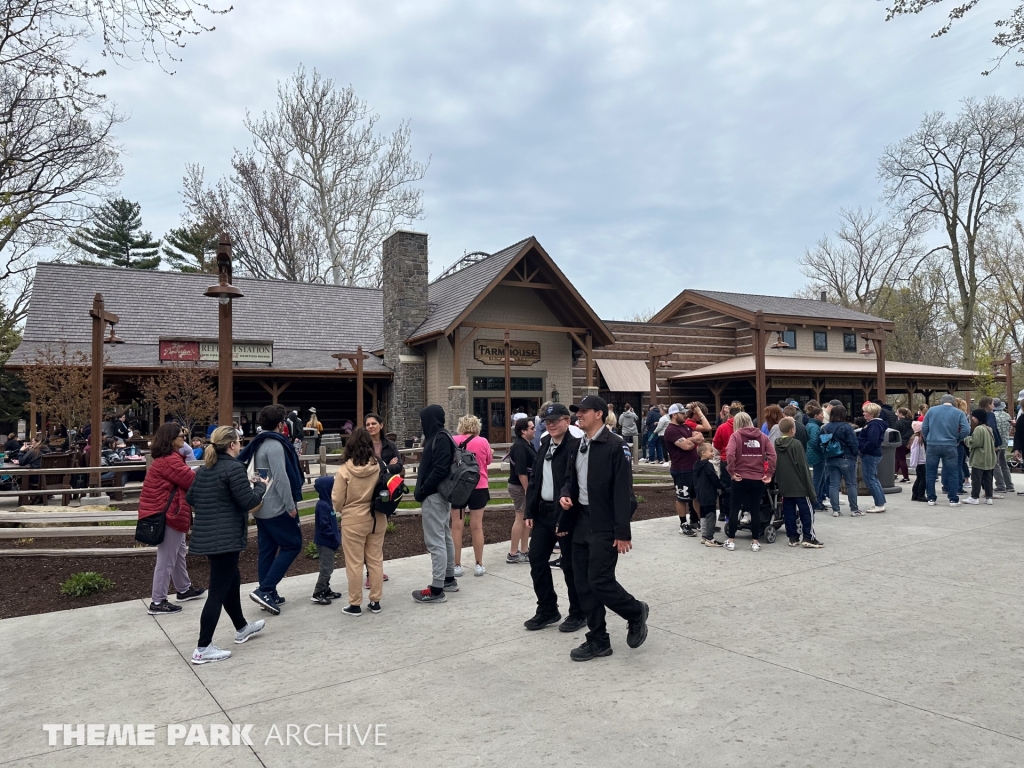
[[639, 499], [391, 527], [310, 551], [85, 583]]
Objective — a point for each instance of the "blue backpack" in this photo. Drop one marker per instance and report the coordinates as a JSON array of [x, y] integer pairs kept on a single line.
[[829, 445]]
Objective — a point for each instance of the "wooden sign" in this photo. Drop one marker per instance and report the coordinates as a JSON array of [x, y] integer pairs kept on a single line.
[[492, 352], [789, 383], [174, 351], [842, 383]]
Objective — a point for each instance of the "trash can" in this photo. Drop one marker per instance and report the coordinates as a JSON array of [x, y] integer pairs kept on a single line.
[[311, 440], [886, 467]]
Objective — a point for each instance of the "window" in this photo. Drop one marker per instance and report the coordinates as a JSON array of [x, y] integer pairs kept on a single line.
[[849, 342], [820, 341], [497, 384], [790, 338]]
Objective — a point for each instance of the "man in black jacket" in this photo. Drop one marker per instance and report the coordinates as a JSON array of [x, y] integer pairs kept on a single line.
[[436, 514], [599, 492], [543, 515]]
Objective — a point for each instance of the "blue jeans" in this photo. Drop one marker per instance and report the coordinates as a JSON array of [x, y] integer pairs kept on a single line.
[[843, 468], [950, 471], [280, 541], [820, 477], [869, 468], [655, 448]]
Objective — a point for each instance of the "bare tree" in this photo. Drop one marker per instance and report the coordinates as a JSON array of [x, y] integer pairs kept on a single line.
[[1011, 28], [342, 186], [183, 392], [641, 315], [1002, 301], [61, 385], [963, 177], [868, 254]]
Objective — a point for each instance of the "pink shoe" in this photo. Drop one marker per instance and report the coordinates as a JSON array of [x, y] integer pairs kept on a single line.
[[367, 584]]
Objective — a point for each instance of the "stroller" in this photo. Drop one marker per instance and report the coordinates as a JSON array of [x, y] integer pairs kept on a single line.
[[770, 509]]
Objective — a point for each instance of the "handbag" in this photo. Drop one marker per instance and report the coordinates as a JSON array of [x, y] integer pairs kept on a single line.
[[150, 530]]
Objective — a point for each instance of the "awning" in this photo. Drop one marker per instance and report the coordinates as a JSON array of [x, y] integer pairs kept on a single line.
[[625, 375]]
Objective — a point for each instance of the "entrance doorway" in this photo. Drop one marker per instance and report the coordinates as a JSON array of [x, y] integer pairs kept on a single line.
[[495, 427]]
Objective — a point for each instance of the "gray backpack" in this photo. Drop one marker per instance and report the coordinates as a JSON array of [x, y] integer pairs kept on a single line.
[[463, 475]]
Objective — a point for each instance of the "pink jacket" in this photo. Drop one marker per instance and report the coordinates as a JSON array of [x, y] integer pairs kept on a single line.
[[748, 451]]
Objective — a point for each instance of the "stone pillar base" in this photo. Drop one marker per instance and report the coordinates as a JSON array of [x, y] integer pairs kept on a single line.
[[457, 407], [589, 391]]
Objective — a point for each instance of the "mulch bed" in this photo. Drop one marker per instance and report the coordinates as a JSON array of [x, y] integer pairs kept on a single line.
[[33, 583]]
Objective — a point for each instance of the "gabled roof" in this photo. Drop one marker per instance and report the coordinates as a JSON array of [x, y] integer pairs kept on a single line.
[[307, 322], [777, 308], [454, 297]]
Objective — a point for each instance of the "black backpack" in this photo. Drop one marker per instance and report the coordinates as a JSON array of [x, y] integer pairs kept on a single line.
[[463, 475], [388, 492]]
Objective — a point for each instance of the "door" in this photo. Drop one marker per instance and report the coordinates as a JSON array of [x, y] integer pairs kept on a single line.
[[497, 432]]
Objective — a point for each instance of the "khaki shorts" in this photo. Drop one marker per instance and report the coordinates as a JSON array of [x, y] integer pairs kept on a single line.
[[518, 497]]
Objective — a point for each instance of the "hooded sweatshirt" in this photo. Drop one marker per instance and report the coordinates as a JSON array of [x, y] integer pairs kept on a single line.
[[722, 435], [325, 531], [982, 446], [792, 475], [750, 454], [352, 495], [438, 452]]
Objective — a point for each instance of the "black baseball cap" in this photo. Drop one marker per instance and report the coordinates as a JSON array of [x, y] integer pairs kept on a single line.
[[554, 411], [590, 402]]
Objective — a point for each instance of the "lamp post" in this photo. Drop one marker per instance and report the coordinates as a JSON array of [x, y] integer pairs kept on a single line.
[[355, 359], [100, 319], [1006, 363], [224, 292]]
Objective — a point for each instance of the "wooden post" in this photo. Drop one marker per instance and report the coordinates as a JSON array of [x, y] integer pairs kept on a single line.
[[323, 461], [31, 431], [1007, 365], [224, 292], [761, 385], [456, 343], [508, 387], [880, 364], [654, 358], [590, 360], [100, 319], [359, 385]]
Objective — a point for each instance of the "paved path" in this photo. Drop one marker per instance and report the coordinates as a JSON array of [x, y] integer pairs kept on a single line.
[[898, 644]]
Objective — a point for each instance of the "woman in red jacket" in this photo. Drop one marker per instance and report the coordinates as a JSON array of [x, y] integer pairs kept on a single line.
[[167, 475]]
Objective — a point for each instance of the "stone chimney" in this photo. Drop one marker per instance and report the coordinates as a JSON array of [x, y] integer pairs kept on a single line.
[[404, 267]]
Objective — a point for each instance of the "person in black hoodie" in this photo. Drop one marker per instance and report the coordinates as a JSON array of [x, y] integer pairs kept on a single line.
[[435, 464], [707, 486], [599, 493], [543, 516]]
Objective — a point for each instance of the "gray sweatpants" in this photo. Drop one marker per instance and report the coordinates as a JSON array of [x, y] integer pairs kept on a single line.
[[437, 537], [1003, 478], [326, 568], [170, 564]]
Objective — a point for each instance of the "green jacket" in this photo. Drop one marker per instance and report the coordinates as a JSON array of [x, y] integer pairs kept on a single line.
[[982, 446], [791, 472]]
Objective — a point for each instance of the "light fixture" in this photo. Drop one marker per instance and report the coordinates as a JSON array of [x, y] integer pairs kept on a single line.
[[554, 394], [779, 343], [113, 338], [224, 291], [867, 348]]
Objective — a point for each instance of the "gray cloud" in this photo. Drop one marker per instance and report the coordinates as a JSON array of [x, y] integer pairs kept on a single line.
[[650, 146]]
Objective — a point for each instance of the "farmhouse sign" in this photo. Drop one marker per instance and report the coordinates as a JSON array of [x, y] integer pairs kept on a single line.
[[492, 352]]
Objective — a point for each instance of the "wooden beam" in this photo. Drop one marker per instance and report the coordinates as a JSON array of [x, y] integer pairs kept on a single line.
[[590, 360], [525, 284], [508, 388], [455, 341], [275, 390], [538, 328]]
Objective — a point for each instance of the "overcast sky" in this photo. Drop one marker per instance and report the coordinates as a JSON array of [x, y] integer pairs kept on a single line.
[[650, 146]]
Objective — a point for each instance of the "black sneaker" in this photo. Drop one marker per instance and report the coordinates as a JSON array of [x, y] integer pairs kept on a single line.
[[573, 624], [278, 599], [812, 543], [189, 594], [428, 596], [451, 585], [556, 563], [320, 598], [352, 610], [374, 607], [589, 651], [265, 600], [540, 620], [163, 609], [794, 542], [333, 595], [686, 529], [638, 629]]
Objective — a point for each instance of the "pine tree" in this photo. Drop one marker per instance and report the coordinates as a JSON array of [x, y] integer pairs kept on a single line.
[[193, 248], [116, 238]]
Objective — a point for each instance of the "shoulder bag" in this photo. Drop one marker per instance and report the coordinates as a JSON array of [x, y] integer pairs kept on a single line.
[[150, 530]]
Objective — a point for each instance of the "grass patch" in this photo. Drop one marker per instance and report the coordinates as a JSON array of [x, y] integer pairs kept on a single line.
[[392, 527], [310, 551], [85, 583]]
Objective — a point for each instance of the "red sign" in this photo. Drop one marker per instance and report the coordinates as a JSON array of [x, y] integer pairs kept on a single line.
[[179, 351]]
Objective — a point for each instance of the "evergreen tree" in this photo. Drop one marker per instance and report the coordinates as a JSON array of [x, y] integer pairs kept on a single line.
[[193, 248], [116, 238]]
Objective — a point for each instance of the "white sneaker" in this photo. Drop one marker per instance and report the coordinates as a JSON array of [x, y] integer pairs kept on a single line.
[[249, 630], [479, 570], [208, 654], [730, 545], [666, 463], [989, 501], [931, 502], [997, 495], [458, 571], [876, 509], [755, 547], [971, 500], [836, 513], [955, 503]]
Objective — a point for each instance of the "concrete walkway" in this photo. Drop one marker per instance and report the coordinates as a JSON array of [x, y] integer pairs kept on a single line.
[[898, 644]]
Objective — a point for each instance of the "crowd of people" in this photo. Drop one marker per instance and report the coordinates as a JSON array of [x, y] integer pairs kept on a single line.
[[571, 483]]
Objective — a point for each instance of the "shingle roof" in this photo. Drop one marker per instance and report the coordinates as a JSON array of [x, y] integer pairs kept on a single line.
[[307, 323], [448, 298], [782, 305]]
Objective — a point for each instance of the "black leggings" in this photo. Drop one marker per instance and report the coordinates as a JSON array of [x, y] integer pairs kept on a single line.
[[225, 587], [746, 495]]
